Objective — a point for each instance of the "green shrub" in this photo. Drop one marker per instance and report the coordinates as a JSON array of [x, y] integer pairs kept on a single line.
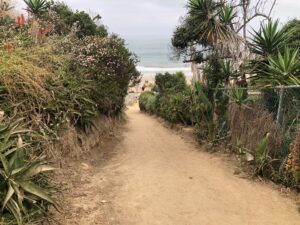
[[147, 102], [59, 81], [44, 92], [67, 18], [169, 83], [175, 108], [111, 67]]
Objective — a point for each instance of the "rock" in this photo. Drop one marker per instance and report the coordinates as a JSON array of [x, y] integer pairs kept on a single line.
[[85, 166]]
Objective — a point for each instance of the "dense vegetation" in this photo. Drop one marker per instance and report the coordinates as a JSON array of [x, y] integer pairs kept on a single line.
[[58, 68], [237, 99]]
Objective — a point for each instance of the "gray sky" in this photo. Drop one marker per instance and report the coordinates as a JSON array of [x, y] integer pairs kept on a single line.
[[135, 17], [155, 17]]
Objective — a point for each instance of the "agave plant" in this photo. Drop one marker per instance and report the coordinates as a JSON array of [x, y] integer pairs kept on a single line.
[[227, 71], [268, 39], [263, 162], [284, 70], [281, 70], [36, 7], [18, 191], [240, 97]]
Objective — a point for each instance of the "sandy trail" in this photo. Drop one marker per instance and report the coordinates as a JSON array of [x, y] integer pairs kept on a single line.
[[157, 178]]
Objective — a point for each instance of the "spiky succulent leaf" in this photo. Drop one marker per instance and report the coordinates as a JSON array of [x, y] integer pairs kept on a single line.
[[268, 39], [36, 7], [36, 190]]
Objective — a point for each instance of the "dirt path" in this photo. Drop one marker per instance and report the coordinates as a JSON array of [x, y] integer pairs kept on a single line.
[[157, 178]]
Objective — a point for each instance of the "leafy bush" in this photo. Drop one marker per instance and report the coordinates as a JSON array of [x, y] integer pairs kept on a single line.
[[167, 83], [173, 98], [51, 84], [42, 92], [292, 30], [68, 18], [110, 65], [175, 108], [147, 102]]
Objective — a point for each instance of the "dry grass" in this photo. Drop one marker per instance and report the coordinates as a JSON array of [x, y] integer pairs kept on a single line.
[[24, 85], [248, 126]]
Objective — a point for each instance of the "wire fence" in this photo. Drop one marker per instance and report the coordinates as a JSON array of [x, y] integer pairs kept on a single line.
[[282, 101], [253, 112]]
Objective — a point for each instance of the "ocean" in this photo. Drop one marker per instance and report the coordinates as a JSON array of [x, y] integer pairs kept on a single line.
[[155, 55]]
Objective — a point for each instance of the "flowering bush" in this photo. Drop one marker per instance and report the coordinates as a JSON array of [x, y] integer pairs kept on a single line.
[[52, 76], [109, 63]]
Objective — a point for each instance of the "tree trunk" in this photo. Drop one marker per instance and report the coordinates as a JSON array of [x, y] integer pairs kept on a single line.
[[194, 67]]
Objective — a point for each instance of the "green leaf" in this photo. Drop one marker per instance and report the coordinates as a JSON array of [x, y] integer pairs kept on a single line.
[[4, 128], [20, 196], [5, 164], [13, 207], [262, 147], [9, 194], [36, 190], [17, 160], [11, 151], [35, 169]]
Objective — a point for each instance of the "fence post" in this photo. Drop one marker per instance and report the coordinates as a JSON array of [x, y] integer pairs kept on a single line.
[[279, 112]]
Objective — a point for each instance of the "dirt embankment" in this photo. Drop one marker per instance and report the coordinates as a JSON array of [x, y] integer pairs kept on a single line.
[[151, 176]]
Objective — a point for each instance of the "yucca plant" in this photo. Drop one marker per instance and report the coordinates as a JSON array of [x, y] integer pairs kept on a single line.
[[227, 15], [284, 69], [19, 193], [281, 70], [227, 71], [36, 7], [268, 39], [239, 96], [208, 25], [263, 162]]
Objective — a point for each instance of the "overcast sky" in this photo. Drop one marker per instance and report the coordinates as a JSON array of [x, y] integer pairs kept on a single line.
[[155, 17]]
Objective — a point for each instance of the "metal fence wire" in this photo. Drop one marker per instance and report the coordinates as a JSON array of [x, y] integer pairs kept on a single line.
[[282, 101], [256, 111]]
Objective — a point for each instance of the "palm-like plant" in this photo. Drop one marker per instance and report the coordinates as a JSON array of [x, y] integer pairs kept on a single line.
[[268, 39], [284, 69], [266, 43], [36, 7], [17, 174], [208, 24], [227, 71], [240, 97], [227, 15]]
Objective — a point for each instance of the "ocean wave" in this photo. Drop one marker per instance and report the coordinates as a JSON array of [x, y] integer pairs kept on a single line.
[[144, 69]]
